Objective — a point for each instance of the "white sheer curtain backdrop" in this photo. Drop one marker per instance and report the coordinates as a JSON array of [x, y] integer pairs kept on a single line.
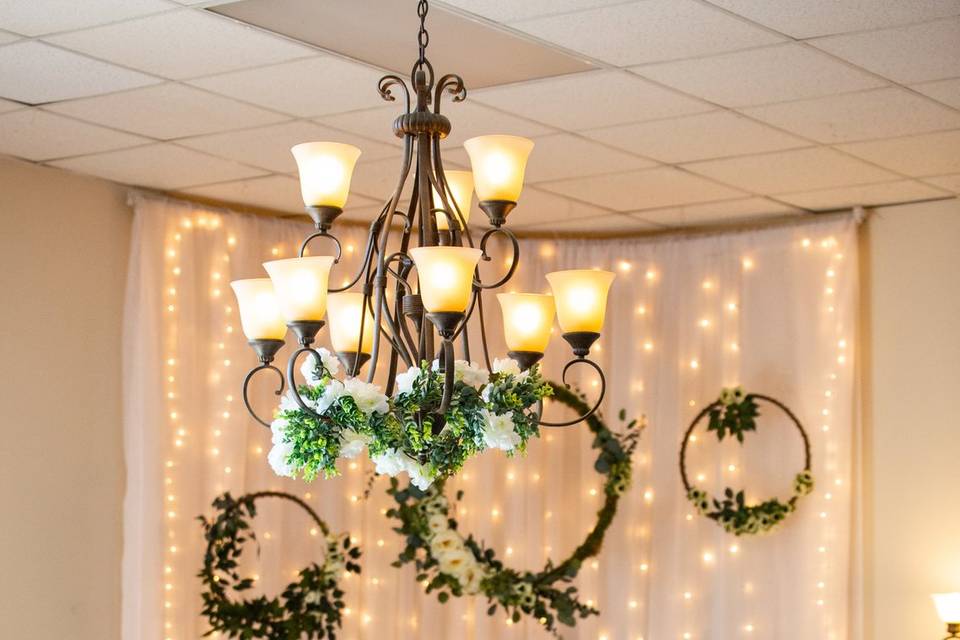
[[773, 310]]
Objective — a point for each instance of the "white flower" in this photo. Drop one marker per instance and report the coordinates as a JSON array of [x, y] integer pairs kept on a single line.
[[279, 429], [498, 431], [331, 393], [470, 578], [278, 459], [420, 475], [454, 562], [470, 374], [309, 367], [390, 462], [287, 402], [312, 598], [446, 542], [506, 365], [485, 394], [437, 523], [368, 396], [405, 381], [352, 443]]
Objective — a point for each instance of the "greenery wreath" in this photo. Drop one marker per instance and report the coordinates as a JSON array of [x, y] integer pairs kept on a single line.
[[488, 410], [451, 565], [735, 413], [308, 608]]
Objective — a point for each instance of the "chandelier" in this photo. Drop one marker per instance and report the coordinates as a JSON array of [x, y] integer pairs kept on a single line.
[[426, 319]]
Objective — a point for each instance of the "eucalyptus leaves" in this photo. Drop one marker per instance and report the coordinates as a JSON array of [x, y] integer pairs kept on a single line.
[[488, 411], [735, 413]]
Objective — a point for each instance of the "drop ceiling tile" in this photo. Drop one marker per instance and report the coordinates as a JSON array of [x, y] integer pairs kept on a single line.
[[610, 223], [36, 135], [865, 195], [590, 100], [537, 206], [726, 212], [568, 156], [760, 76], [374, 124], [7, 105], [880, 113], [305, 88], [269, 147], [6, 37], [38, 17], [707, 135], [929, 154], [377, 179], [950, 183], [810, 18], [167, 111], [512, 11], [946, 91], [281, 193], [163, 166], [35, 72], [470, 118], [182, 44], [645, 189], [649, 31], [918, 53], [788, 171]]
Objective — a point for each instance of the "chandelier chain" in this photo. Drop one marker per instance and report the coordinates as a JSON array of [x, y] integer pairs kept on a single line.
[[423, 37]]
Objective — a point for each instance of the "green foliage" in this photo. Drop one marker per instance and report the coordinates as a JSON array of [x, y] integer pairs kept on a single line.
[[735, 413]]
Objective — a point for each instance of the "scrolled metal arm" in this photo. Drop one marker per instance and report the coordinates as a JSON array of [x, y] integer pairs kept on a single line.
[[291, 368], [246, 384], [390, 80], [322, 234], [514, 259], [596, 406], [452, 84]]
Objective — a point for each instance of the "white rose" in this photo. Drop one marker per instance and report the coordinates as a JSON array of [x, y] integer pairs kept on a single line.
[[390, 462], [405, 381], [485, 394], [279, 430], [331, 393], [454, 562], [368, 396], [498, 431], [470, 578], [470, 374], [506, 365], [352, 443], [287, 402], [437, 523], [446, 542], [309, 367], [278, 459], [420, 475]]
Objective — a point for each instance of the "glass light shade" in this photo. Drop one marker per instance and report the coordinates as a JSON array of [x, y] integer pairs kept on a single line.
[[345, 311], [581, 298], [948, 607], [259, 309], [301, 286], [498, 164], [527, 320], [325, 172], [446, 276], [461, 185]]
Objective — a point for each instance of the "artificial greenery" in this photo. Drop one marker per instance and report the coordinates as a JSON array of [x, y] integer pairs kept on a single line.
[[735, 413], [452, 565], [311, 607]]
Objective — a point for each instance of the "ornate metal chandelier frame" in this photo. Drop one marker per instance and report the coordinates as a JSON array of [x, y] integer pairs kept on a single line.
[[408, 329]]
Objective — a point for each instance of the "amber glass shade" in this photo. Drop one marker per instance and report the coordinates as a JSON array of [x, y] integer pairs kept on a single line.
[[498, 164], [259, 309], [461, 184], [581, 297], [446, 276], [527, 320], [325, 172], [301, 286], [344, 311]]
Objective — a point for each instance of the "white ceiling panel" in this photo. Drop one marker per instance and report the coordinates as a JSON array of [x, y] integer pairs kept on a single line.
[[269, 147], [182, 44], [36, 135], [649, 31], [167, 111], [708, 135], [646, 189], [950, 183], [590, 100], [271, 192], [311, 87], [729, 211], [34, 72], [6, 37], [930, 154], [945, 91], [568, 156], [604, 224], [810, 18], [760, 76], [918, 53], [865, 195], [470, 118], [163, 166], [866, 115], [378, 179], [537, 206], [37, 17], [375, 124], [790, 171], [7, 105], [512, 11]]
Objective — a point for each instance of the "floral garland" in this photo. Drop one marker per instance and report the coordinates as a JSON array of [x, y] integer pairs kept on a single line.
[[453, 565], [311, 607], [488, 411], [735, 413]]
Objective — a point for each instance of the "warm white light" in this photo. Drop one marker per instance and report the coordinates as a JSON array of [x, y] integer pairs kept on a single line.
[[345, 311], [259, 309], [446, 276], [461, 186], [581, 298], [948, 607], [301, 286], [498, 164], [527, 320], [325, 172]]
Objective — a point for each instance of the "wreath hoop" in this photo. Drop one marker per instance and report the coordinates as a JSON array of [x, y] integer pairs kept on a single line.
[[734, 412], [453, 565], [311, 607]]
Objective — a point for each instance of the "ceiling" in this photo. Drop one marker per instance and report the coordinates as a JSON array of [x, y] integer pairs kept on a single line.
[[690, 112]]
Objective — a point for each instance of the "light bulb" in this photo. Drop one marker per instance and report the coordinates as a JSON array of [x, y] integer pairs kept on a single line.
[[948, 607], [527, 320], [581, 298]]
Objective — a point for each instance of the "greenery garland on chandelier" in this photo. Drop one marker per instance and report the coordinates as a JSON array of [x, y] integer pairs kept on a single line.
[[451, 564], [734, 413]]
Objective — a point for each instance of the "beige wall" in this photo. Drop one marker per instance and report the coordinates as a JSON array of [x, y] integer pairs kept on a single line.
[[911, 416], [63, 247]]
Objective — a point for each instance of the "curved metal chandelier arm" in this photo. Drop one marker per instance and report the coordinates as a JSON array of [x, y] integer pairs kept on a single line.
[[291, 368], [448, 379], [246, 384], [445, 193], [322, 234], [596, 406], [452, 84], [391, 80], [483, 330], [514, 259], [367, 254]]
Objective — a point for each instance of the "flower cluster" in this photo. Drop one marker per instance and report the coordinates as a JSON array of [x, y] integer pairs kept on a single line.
[[736, 517], [406, 433], [734, 413]]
